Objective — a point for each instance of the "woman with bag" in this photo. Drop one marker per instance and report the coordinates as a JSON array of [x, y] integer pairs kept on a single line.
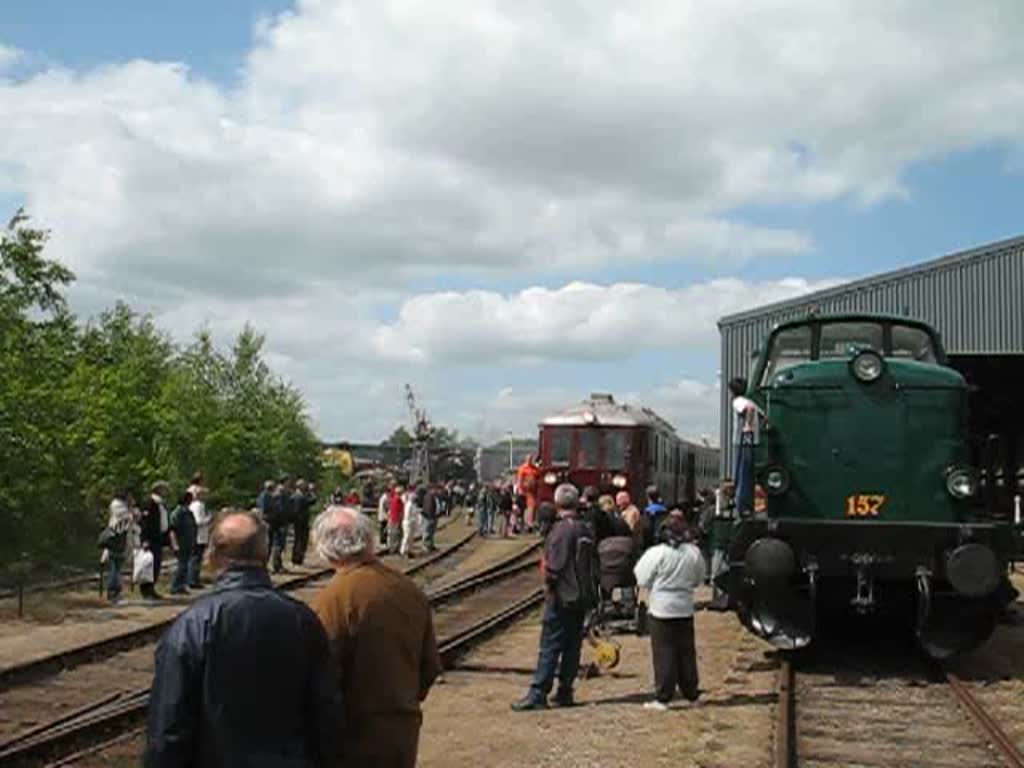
[[114, 543]]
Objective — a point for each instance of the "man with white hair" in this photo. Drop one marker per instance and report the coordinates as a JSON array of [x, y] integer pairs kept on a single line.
[[381, 630]]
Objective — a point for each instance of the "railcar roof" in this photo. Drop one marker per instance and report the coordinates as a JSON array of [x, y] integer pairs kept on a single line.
[[606, 413]]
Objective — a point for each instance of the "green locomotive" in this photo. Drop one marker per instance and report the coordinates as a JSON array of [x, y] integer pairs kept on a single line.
[[864, 461]]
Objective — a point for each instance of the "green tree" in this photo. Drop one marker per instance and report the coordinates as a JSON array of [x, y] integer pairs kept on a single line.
[[115, 404], [38, 504]]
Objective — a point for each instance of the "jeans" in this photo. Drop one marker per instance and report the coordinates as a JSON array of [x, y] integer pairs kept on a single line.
[[675, 658], [484, 521], [561, 637], [114, 564], [745, 475], [181, 572], [195, 565], [429, 530], [277, 534]]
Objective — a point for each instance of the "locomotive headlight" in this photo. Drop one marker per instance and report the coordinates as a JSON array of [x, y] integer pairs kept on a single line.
[[550, 478], [867, 366], [776, 481], [619, 481], [960, 483]]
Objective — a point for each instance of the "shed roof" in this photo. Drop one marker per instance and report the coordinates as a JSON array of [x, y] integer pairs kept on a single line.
[[979, 253]]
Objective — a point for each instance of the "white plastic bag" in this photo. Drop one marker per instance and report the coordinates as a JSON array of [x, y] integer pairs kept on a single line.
[[142, 567]]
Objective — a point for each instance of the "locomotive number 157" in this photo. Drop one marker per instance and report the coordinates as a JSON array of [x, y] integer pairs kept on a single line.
[[864, 504]]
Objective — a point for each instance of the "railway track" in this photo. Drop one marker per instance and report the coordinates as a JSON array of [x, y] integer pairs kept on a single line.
[[880, 714], [99, 650], [466, 611]]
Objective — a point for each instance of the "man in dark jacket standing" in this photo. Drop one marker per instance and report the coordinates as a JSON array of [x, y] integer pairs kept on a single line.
[[567, 598], [244, 676], [431, 503]]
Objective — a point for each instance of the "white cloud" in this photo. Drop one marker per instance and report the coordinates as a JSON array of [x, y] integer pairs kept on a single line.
[[579, 321], [373, 147], [8, 55], [389, 140]]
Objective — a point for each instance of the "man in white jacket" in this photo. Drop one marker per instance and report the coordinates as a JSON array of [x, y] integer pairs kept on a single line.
[[671, 571]]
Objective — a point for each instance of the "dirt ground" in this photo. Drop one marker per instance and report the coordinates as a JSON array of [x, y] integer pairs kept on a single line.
[[467, 720]]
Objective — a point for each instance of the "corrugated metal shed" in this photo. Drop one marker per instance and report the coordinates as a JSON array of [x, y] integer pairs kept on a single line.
[[974, 298]]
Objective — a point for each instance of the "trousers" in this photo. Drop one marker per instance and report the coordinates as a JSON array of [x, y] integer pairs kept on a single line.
[[301, 542], [181, 572], [114, 565], [277, 533], [745, 475], [429, 531], [561, 638], [195, 565], [410, 530], [394, 538], [675, 658]]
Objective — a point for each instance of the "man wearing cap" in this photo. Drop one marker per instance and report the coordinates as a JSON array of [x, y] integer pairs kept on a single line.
[[154, 525]]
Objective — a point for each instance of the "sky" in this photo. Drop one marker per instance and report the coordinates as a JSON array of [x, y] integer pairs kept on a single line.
[[506, 205]]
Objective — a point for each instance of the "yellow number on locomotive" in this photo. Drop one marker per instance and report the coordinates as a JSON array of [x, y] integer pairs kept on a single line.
[[864, 505]]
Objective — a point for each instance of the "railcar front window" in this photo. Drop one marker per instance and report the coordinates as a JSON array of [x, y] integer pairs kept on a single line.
[[912, 344], [560, 446], [790, 347], [588, 444], [843, 340], [615, 450]]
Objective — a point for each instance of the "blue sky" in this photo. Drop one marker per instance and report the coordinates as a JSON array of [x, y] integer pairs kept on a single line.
[[424, 203]]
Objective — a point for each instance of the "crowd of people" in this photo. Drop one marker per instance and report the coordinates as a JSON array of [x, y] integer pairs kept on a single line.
[[668, 551], [139, 534], [344, 678]]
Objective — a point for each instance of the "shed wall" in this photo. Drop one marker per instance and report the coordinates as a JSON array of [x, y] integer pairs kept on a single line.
[[976, 303]]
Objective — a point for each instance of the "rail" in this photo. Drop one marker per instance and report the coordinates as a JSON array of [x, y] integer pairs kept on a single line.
[[786, 747], [95, 722], [101, 649]]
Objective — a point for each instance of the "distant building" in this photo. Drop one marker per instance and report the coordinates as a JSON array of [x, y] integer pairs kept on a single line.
[[492, 462]]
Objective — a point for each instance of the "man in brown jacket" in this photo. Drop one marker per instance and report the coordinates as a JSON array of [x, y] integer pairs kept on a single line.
[[380, 627]]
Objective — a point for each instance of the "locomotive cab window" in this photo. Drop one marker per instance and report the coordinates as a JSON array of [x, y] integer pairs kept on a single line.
[[588, 446], [560, 442], [789, 347], [843, 340], [615, 450], [912, 344]]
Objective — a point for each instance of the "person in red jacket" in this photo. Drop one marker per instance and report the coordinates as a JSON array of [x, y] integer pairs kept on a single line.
[[395, 514]]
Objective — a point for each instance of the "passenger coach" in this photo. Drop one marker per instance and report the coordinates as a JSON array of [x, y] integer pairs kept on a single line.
[[615, 446]]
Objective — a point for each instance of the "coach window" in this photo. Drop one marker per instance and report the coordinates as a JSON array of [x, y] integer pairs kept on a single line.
[[842, 340], [789, 347], [588, 446], [560, 441], [615, 450]]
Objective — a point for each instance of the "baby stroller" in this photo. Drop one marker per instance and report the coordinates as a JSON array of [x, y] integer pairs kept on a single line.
[[618, 609]]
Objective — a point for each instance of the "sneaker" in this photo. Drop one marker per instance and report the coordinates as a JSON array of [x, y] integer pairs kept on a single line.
[[658, 706], [529, 703]]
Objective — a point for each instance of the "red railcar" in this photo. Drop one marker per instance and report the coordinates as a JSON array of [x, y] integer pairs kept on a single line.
[[616, 446]]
